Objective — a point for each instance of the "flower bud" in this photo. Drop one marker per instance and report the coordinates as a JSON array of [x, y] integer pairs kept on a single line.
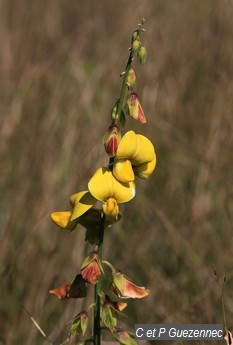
[[135, 35], [79, 324], [142, 55], [131, 78], [111, 140], [134, 109], [136, 45], [113, 113]]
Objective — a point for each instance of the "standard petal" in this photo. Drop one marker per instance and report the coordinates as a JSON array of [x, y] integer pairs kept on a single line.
[[145, 170], [145, 151], [82, 204], [103, 185], [128, 146], [123, 171]]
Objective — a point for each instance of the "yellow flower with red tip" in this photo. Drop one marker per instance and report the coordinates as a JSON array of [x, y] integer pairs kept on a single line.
[[135, 156]]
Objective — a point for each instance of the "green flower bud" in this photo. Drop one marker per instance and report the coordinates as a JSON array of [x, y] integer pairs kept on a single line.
[[131, 79], [142, 55], [135, 35], [136, 45], [113, 114]]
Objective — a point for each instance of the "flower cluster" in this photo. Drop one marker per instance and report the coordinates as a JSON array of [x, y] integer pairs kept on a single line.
[[135, 155], [131, 155]]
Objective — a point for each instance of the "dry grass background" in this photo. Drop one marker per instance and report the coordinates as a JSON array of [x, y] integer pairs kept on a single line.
[[60, 63]]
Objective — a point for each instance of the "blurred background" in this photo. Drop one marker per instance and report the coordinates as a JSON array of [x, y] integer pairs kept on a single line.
[[60, 63]]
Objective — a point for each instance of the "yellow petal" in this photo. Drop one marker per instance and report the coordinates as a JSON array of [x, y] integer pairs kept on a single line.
[[145, 170], [128, 146], [122, 170], [145, 151], [103, 185], [83, 201], [74, 199], [63, 220]]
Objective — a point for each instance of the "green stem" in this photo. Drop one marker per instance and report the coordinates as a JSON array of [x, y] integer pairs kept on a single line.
[[123, 86], [98, 289]]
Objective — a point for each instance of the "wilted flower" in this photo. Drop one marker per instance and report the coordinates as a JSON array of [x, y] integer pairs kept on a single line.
[[61, 292], [124, 288], [91, 268], [75, 289]]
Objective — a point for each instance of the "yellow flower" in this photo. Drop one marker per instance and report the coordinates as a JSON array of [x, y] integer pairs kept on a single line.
[[135, 156], [106, 188], [103, 186]]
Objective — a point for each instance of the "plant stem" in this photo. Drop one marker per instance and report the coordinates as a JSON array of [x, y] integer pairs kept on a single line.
[[123, 86], [98, 289]]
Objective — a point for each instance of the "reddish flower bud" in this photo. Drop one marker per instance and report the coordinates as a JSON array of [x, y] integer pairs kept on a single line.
[[134, 109], [111, 140], [91, 268]]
